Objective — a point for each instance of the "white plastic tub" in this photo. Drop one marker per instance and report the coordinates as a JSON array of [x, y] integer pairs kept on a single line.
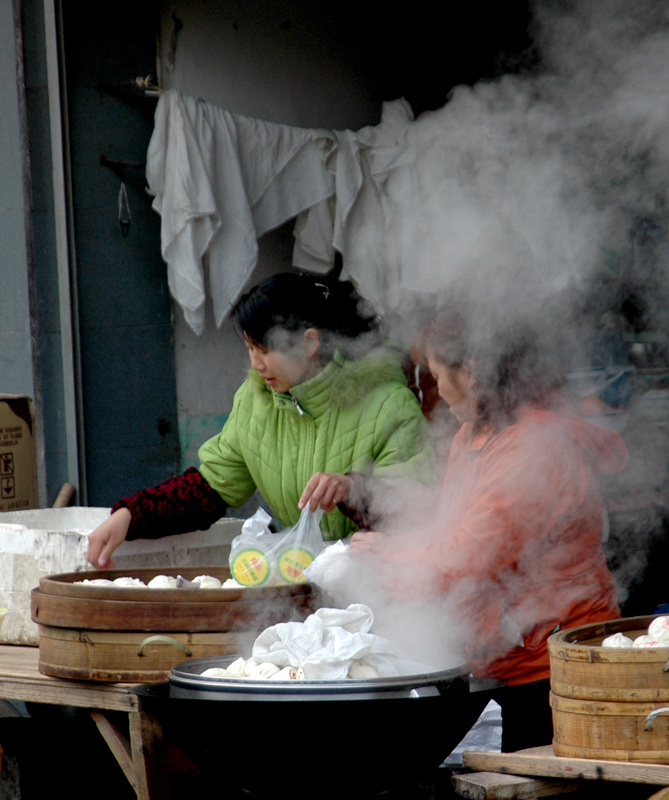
[[49, 541]]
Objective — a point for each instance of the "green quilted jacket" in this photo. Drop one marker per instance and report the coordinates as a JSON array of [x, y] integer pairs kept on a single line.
[[352, 416]]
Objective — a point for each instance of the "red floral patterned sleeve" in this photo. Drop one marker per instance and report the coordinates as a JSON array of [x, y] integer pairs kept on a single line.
[[177, 505]]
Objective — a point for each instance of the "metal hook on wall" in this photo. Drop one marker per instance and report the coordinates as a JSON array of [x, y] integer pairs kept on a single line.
[[124, 215]]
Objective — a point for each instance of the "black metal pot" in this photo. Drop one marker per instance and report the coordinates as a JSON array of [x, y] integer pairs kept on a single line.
[[265, 737]]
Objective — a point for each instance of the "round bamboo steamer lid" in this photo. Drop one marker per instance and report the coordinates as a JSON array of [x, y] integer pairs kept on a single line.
[[61, 602], [135, 634], [601, 697]]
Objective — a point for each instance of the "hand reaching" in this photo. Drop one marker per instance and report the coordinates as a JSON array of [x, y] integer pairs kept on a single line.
[[325, 489], [107, 537]]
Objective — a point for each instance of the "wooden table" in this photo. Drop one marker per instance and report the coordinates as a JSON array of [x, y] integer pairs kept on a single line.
[[141, 756], [537, 772]]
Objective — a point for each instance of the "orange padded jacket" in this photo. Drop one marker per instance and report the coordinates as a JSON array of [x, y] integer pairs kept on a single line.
[[517, 545]]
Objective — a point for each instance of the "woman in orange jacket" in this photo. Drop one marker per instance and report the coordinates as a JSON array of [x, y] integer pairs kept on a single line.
[[517, 545]]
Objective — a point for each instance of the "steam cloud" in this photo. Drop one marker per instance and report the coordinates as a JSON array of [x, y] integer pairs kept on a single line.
[[539, 177], [537, 189]]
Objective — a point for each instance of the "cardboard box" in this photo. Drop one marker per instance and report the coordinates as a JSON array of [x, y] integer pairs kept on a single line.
[[49, 541], [18, 454]]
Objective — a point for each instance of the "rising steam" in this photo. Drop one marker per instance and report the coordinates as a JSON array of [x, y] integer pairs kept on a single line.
[[532, 190]]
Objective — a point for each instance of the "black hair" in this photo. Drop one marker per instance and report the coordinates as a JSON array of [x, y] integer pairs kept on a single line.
[[506, 359], [290, 302]]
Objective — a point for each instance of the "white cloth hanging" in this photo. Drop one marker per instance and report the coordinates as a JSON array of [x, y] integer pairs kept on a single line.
[[362, 221], [220, 181]]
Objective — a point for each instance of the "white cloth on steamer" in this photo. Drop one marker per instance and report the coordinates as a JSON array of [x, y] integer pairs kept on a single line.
[[327, 643], [220, 181]]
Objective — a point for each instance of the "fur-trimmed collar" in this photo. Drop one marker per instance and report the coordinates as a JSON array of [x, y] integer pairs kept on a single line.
[[349, 381]]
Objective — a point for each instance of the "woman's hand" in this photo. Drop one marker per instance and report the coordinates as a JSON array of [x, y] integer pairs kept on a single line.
[[325, 489], [373, 542], [107, 537]]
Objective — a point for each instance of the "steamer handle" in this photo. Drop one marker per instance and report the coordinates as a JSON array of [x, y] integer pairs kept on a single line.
[[166, 640], [651, 717]]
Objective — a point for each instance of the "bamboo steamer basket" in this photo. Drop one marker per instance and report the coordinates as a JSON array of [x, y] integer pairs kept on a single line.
[[603, 699], [137, 634]]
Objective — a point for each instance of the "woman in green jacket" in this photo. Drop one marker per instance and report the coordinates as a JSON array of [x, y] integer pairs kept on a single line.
[[324, 406]]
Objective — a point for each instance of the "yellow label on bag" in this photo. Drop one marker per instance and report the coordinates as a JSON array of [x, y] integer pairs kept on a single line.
[[250, 567], [292, 563]]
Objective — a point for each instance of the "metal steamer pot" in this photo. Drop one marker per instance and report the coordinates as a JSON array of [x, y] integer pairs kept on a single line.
[[187, 682], [266, 736]]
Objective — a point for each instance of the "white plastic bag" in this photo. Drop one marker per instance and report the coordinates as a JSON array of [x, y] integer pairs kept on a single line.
[[261, 558], [249, 562]]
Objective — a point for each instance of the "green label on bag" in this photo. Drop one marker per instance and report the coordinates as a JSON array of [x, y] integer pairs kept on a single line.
[[250, 567], [292, 563]]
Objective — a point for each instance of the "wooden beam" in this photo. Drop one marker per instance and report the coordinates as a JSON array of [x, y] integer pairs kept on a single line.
[[494, 786], [148, 754], [119, 744], [541, 763]]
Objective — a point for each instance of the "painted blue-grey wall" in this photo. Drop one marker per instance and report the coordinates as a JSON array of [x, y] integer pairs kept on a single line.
[[41, 230], [127, 358], [16, 368]]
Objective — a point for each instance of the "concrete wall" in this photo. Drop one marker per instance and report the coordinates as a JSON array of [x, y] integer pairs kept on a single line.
[[285, 61]]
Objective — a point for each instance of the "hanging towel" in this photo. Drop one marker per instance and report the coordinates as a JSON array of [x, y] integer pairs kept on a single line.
[[220, 181]]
